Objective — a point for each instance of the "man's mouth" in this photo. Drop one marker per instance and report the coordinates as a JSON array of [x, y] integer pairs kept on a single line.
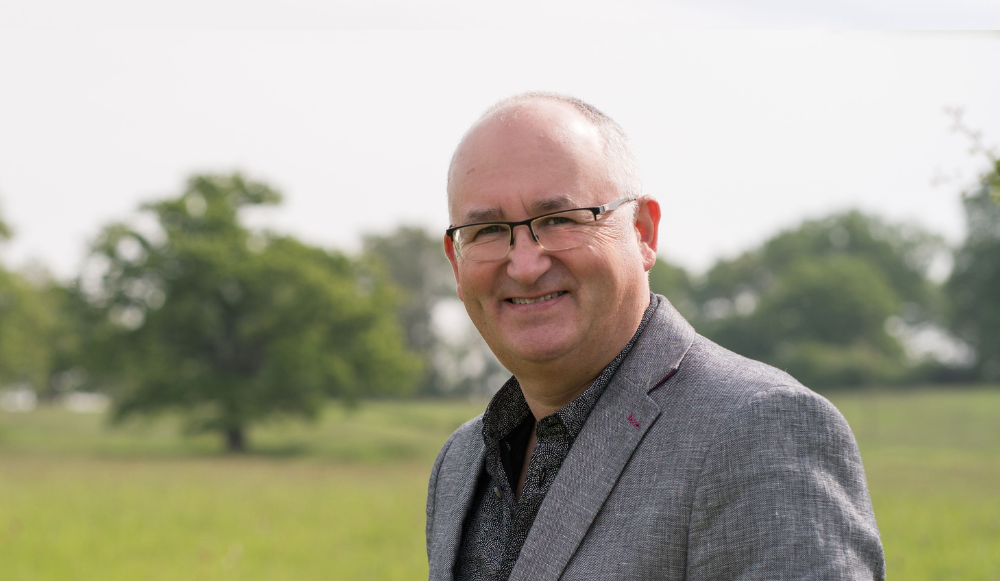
[[520, 301]]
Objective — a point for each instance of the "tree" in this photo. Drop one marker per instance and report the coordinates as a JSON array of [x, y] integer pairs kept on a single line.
[[824, 321], [79, 340], [233, 326], [815, 300], [417, 265], [902, 253], [26, 323], [974, 285], [674, 282], [456, 360]]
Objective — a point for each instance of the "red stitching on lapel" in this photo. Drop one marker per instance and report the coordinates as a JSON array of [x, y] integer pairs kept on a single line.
[[664, 380]]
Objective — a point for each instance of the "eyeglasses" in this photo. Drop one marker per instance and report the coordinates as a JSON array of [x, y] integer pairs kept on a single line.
[[560, 230]]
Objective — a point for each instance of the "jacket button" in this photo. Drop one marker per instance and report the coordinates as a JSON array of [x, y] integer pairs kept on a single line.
[[496, 490]]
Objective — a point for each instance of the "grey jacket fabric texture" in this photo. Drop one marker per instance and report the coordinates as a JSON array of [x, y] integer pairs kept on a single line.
[[729, 469]]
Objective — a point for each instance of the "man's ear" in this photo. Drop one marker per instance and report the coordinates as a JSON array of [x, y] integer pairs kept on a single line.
[[647, 224], [449, 249]]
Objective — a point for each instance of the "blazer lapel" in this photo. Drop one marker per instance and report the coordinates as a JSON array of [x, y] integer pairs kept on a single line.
[[614, 429], [458, 487]]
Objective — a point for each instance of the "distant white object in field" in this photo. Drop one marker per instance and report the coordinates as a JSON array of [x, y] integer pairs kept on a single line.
[[83, 402], [20, 398]]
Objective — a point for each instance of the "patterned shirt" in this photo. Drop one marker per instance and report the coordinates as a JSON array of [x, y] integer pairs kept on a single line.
[[498, 523]]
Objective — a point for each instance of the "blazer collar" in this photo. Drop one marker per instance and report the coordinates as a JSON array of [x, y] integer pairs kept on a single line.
[[658, 353], [615, 427]]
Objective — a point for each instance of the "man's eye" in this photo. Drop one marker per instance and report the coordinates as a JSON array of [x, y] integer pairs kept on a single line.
[[488, 231], [557, 221]]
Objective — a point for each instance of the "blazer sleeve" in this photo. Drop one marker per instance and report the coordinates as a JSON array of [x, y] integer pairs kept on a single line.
[[782, 495]]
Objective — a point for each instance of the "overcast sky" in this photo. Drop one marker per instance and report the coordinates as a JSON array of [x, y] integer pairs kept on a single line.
[[738, 133]]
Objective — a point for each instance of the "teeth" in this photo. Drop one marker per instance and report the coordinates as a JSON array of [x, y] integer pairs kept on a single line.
[[538, 300]]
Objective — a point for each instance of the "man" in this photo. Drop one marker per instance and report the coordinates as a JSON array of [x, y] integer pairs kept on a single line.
[[625, 446]]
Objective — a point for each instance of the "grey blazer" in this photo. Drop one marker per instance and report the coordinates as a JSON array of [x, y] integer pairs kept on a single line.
[[729, 469]]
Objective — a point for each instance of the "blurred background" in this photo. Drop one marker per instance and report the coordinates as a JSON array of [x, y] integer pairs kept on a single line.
[[230, 345]]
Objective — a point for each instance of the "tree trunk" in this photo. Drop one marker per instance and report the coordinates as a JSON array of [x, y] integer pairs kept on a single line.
[[235, 441]]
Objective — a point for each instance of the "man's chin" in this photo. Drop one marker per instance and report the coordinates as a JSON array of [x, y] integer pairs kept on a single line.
[[533, 350]]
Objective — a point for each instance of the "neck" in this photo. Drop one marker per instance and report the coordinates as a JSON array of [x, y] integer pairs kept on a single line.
[[545, 398]]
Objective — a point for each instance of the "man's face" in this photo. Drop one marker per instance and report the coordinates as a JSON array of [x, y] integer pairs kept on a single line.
[[536, 306]]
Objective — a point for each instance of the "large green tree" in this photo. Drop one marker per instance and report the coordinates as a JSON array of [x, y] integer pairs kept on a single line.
[[974, 286], [901, 253], [233, 326], [815, 299]]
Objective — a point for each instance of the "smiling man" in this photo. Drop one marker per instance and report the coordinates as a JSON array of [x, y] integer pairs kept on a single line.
[[625, 446]]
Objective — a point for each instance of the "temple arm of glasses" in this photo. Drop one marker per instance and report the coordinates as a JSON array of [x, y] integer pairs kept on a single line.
[[612, 205]]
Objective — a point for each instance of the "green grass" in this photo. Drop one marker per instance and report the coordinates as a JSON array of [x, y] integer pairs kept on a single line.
[[344, 498], [932, 459], [198, 519]]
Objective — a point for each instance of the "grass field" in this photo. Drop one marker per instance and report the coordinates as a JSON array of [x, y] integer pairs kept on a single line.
[[344, 499], [932, 459]]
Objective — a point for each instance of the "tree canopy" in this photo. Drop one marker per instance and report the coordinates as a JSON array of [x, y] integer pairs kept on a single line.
[[234, 326], [814, 300], [26, 324], [27, 321]]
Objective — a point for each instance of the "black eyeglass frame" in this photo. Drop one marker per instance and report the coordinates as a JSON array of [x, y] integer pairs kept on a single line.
[[596, 210]]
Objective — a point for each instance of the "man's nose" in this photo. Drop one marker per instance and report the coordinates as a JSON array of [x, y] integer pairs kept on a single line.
[[527, 260]]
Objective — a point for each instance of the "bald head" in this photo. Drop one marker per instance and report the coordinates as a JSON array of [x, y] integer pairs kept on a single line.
[[555, 117]]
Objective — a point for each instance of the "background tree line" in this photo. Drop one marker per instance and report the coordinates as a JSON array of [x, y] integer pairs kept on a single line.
[[232, 325]]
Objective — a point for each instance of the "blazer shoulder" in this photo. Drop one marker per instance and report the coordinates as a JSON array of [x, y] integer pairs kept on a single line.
[[716, 392], [465, 435], [710, 370]]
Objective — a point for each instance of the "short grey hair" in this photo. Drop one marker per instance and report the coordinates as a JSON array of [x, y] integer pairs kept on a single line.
[[622, 167]]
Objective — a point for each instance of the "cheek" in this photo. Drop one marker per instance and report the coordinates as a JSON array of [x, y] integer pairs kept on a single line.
[[474, 280]]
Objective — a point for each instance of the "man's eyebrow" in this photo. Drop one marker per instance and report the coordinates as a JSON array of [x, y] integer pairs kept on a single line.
[[553, 204], [488, 215]]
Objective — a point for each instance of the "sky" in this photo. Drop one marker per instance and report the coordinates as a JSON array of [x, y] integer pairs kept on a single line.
[[739, 132]]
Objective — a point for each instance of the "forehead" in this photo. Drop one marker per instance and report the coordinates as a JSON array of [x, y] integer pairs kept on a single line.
[[516, 164]]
